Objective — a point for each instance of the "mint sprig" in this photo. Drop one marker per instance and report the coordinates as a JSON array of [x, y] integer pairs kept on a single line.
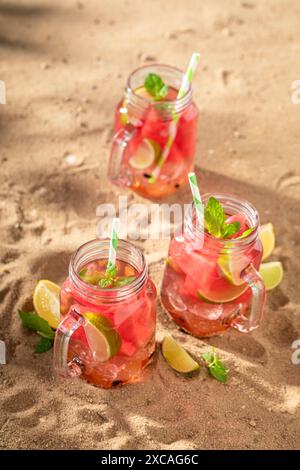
[[215, 220], [215, 366], [33, 321], [109, 277], [155, 86]]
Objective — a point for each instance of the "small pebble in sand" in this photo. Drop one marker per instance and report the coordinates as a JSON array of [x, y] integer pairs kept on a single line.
[[252, 423], [211, 152], [71, 160], [45, 66], [237, 134], [227, 32], [147, 57]]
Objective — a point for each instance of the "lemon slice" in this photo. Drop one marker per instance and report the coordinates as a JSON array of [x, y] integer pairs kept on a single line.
[[46, 302], [177, 357], [272, 274], [103, 340], [147, 152], [267, 238]]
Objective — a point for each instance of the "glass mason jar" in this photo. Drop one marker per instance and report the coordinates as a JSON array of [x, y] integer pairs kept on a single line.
[[107, 335], [212, 284], [142, 127]]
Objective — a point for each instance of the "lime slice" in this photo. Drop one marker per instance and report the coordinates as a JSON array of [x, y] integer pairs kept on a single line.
[[221, 298], [103, 340], [272, 274], [147, 152], [46, 302], [267, 238], [177, 357], [141, 91], [231, 267], [170, 262]]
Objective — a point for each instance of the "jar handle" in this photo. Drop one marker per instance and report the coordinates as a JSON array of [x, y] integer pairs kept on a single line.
[[64, 332], [249, 323], [121, 139]]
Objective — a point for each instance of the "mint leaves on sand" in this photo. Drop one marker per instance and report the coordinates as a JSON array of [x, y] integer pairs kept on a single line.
[[32, 321], [215, 366]]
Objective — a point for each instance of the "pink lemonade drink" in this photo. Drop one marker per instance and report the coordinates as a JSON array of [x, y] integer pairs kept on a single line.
[[142, 126], [211, 284], [107, 334]]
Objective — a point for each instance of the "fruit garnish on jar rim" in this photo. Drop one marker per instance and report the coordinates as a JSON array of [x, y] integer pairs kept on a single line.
[[219, 225]]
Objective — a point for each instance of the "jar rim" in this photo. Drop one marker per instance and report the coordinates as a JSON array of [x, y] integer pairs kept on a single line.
[[81, 257], [178, 104], [232, 202]]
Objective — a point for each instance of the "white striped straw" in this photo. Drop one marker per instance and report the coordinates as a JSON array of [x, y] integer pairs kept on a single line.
[[187, 79], [196, 197], [113, 242]]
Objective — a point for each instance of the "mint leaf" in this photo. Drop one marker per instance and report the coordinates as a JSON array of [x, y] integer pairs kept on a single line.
[[215, 220], [214, 217], [246, 233], [33, 321], [215, 366], [124, 281], [155, 86], [105, 282], [231, 229], [43, 345]]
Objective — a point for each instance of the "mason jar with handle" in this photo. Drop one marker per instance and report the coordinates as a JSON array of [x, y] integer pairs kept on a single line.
[[107, 335], [212, 284], [142, 128]]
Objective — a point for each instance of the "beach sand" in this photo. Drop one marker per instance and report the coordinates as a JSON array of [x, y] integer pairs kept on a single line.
[[64, 64]]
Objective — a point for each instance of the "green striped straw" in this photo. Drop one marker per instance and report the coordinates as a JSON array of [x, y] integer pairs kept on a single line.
[[187, 79], [196, 197], [113, 246]]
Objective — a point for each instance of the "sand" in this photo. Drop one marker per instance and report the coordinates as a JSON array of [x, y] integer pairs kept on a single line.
[[64, 64]]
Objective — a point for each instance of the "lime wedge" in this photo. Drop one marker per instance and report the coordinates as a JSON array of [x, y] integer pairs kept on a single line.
[[103, 340], [46, 302], [147, 152], [267, 238], [272, 274], [177, 357]]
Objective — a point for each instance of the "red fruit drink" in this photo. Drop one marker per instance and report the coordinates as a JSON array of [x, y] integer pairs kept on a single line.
[[142, 126], [108, 334], [212, 284]]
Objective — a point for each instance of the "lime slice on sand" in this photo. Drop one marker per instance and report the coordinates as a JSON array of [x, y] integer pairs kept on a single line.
[[103, 340], [272, 274], [177, 357], [46, 302], [147, 152], [267, 238]]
